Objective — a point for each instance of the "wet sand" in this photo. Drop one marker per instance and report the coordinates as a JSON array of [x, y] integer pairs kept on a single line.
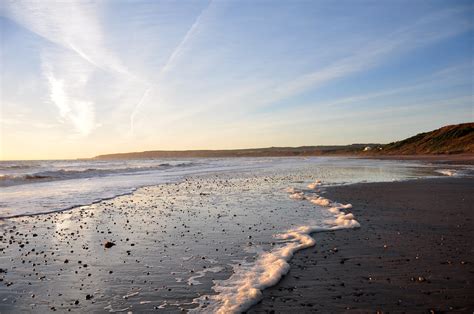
[[162, 246], [414, 253], [157, 249], [453, 159]]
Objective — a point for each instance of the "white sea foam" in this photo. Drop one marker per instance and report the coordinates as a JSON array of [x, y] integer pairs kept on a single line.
[[297, 196], [447, 172], [111, 310], [244, 288], [199, 274], [321, 201], [314, 185], [292, 190]]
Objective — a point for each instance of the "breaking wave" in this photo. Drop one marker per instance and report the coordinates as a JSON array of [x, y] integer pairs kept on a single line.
[[65, 174]]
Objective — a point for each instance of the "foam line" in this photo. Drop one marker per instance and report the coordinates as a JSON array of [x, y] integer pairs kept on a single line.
[[447, 172], [192, 281], [244, 288]]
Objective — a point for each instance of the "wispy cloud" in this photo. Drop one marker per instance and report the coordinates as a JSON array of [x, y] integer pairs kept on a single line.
[[169, 64], [67, 93], [237, 100], [373, 105], [210, 71], [73, 25], [187, 37], [449, 76], [376, 52], [77, 51], [135, 110]]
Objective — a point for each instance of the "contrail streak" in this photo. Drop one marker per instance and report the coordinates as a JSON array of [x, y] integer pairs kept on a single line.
[[170, 62]]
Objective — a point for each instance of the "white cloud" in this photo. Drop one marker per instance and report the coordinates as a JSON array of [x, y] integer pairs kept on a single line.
[[207, 66], [76, 55], [67, 91], [73, 24], [376, 52], [180, 104]]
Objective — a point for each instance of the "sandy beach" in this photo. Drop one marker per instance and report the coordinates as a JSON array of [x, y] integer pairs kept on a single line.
[[214, 241], [413, 253], [227, 157]]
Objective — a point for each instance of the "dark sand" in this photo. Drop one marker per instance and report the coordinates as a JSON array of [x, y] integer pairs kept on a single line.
[[414, 253], [453, 159]]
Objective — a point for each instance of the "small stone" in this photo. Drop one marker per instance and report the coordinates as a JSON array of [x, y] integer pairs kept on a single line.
[[108, 244]]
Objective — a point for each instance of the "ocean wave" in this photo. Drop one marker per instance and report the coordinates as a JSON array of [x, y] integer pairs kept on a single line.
[[64, 174], [17, 166], [244, 288]]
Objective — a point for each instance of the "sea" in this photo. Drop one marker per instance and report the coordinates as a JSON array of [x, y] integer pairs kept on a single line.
[[200, 235]]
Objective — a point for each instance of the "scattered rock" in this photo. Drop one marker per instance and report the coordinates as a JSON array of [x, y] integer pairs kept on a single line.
[[108, 244]]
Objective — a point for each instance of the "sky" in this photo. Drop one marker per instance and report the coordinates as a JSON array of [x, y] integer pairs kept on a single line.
[[82, 78]]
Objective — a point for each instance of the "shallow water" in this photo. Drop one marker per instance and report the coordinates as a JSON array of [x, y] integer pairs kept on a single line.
[[187, 244], [35, 187]]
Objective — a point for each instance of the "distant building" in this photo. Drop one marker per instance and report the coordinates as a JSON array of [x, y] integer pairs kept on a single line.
[[367, 148]]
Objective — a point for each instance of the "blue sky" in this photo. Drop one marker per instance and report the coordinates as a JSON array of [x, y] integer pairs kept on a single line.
[[80, 78]]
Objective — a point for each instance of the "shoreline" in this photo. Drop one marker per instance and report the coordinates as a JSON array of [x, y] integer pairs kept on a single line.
[[94, 225], [453, 159], [412, 253]]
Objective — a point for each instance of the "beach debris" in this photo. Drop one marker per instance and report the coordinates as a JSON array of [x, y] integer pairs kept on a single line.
[[418, 279], [131, 295], [111, 310], [109, 244]]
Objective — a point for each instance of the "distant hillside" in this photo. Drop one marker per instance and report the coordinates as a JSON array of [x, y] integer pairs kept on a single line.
[[451, 139], [252, 152]]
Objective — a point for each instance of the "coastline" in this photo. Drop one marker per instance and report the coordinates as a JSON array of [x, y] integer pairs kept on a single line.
[[412, 253], [161, 220]]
